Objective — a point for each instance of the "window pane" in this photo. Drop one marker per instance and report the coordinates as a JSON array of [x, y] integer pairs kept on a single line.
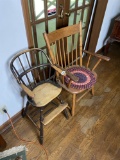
[[29, 9], [33, 35], [40, 29], [71, 19], [72, 4], [39, 9], [85, 16], [80, 3], [83, 35], [52, 25], [51, 5], [43, 57], [87, 1], [78, 18]]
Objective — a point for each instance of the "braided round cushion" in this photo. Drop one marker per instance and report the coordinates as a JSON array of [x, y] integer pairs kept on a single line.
[[86, 78]]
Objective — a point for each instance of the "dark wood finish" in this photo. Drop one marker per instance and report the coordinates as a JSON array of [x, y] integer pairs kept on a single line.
[[27, 23], [92, 134], [3, 143], [71, 55], [115, 35], [116, 29], [38, 82], [97, 23], [98, 55]]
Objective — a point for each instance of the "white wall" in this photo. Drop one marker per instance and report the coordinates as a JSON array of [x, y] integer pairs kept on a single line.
[[112, 10], [12, 39]]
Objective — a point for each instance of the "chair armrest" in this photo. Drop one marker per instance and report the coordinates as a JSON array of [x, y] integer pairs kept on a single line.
[[64, 72], [97, 55], [27, 90], [59, 70]]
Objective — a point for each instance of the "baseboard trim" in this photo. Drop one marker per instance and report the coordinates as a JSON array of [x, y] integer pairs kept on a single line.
[[5, 126]]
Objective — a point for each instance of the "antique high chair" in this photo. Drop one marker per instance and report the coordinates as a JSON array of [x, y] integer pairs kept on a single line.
[[65, 50], [37, 79]]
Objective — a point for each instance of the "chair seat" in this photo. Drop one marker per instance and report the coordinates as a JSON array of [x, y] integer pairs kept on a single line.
[[44, 93], [86, 78]]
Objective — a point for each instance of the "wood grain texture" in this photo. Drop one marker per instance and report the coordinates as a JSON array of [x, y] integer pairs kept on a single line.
[[92, 134], [54, 113], [97, 23], [44, 93]]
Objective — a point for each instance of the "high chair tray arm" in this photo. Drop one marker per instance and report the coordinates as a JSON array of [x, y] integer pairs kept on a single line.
[[64, 72]]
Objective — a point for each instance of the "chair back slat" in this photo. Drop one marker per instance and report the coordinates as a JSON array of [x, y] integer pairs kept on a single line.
[[76, 54], [15, 72], [63, 51], [57, 58], [72, 47], [50, 71], [38, 74], [76, 47], [60, 53], [53, 50], [80, 45], [44, 75], [67, 52], [21, 64], [27, 80], [33, 74], [27, 59]]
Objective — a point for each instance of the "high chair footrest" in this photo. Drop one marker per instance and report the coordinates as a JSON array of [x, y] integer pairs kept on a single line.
[[54, 113]]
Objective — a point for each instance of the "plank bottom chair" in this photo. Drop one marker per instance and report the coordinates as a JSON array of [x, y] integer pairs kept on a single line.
[[37, 79]]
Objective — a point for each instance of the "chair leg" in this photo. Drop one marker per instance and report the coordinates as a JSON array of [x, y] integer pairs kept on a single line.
[[66, 113], [92, 90], [65, 110], [73, 104], [41, 126], [25, 110]]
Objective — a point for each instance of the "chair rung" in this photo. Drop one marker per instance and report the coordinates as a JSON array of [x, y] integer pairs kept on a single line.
[[54, 113]]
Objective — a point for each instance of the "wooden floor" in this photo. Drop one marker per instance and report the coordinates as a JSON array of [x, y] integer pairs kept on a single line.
[[92, 134]]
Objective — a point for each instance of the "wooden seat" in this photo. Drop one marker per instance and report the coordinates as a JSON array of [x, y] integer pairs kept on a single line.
[[45, 93], [65, 51], [36, 76]]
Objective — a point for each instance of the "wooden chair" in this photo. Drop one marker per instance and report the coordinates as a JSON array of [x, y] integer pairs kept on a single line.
[[65, 50], [37, 79]]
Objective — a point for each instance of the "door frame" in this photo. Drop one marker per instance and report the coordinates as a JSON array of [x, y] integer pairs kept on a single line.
[[27, 23], [97, 24]]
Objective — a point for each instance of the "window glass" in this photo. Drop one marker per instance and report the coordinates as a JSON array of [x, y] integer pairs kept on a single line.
[[51, 5], [39, 9], [52, 25], [72, 4], [80, 3], [40, 29]]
